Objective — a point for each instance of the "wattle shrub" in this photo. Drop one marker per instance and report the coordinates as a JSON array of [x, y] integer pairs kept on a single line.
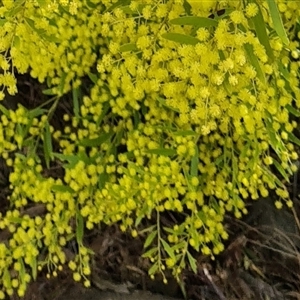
[[191, 110]]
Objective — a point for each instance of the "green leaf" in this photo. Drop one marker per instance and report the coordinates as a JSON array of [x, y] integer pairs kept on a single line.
[[153, 269], [168, 249], [16, 42], [47, 145], [2, 21], [254, 62], [277, 21], [49, 92], [90, 4], [179, 246], [61, 85], [136, 119], [36, 112], [194, 163], [284, 71], [181, 38], [31, 24], [163, 102], [4, 110], [33, 266], [6, 279], [150, 238], [162, 151], [62, 188], [42, 3], [96, 141], [117, 4], [79, 228], [293, 139], [71, 159], [75, 97], [138, 220], [261, 31], [128, 47], [18, 6], [293, 110], [281, 170], [274, 141], [106, 107], [93, 77], [149, 253], [194, 21], [184, 133], [50, 38], [187, 7], [192, 262]]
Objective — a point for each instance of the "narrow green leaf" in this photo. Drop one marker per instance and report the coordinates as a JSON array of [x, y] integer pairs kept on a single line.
[[49, 92], [2, 21], [102, 180], [96, 141], [16, 42], [75, 97], [50, 38], [255, 63], [42, 3], [61, 85], [179, 246], [150, 239], [163, 102], [18, 6], [153, 269], [62, 189], [281, 170], [22, 270], [149, 253], [36, 112], [274, 141], [162, 151], [277, 21], [187, 7], [117, 4], [293, 139], [93, 77], [168, 249], [181, 38], [71, 159], [192, 262], [293, 110], [79, 228], [31, 24], [194, 21], [138, 220], [4, 110], [261, 31], [6, 278], [128, 47], [106, 107], [90, 4], [47, 145], [194, 163], [184, 133], [136, 119], [33, 266]]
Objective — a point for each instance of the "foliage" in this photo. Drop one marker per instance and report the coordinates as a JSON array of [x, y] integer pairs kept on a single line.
[[190, 112]]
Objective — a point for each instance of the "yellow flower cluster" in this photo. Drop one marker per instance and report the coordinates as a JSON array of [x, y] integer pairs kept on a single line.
[[181, 118]]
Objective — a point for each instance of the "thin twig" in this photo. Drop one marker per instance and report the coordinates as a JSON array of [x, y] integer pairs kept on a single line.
[[216, 289]]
